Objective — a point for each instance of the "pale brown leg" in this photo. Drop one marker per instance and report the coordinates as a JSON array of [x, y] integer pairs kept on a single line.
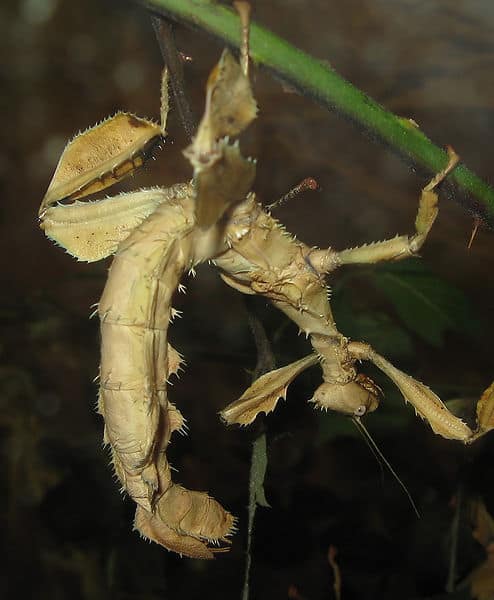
[[427, 405]]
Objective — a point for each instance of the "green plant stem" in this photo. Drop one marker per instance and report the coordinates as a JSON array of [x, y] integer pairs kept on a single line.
[[453, 556], [259, 458], [315, 78]]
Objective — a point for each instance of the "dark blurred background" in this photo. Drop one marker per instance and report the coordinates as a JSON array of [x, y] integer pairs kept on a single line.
[[66, 531]]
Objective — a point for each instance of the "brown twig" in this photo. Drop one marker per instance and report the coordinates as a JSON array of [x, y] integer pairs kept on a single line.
[[332, 552], [173, 60]]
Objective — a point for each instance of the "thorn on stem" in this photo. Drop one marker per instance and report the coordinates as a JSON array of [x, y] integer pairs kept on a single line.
[[476, 224]]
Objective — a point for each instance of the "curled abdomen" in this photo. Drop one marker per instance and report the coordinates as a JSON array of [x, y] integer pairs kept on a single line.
[[136, 362]]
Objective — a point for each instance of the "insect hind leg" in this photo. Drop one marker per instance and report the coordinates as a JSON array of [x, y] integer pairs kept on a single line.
[[426, 403]]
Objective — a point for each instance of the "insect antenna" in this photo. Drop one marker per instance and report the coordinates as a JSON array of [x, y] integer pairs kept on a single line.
[[380, 456], [309, 183]]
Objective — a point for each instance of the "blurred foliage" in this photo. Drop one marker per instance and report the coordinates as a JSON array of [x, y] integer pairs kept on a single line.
[[424, 304]]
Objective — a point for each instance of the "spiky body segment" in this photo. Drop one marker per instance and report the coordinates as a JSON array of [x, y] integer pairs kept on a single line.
[[264, 259]]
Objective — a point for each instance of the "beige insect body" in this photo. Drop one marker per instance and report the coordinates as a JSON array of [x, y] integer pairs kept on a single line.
[[135, 312], [157, 235]]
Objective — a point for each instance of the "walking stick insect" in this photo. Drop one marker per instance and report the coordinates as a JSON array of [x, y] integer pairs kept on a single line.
[[157, 235]]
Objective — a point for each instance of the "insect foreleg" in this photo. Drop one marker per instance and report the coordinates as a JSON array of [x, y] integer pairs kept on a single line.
[[397, 248]]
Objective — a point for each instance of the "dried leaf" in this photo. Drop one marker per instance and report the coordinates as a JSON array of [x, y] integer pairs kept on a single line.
[[100, 156], [264, 393]]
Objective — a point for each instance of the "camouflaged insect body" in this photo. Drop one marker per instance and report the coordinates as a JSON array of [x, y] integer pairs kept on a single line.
[[159, 234]]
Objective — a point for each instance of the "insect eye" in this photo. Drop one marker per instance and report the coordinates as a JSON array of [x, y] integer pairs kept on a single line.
[[360, 411]]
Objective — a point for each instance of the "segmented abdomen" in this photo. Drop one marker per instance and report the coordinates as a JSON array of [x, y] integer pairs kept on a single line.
[[135, 312]]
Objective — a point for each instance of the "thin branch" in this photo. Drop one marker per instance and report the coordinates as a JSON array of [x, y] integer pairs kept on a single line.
[[265, 362], [453, 555], [265, 357], [172, 59], [312, 77]]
